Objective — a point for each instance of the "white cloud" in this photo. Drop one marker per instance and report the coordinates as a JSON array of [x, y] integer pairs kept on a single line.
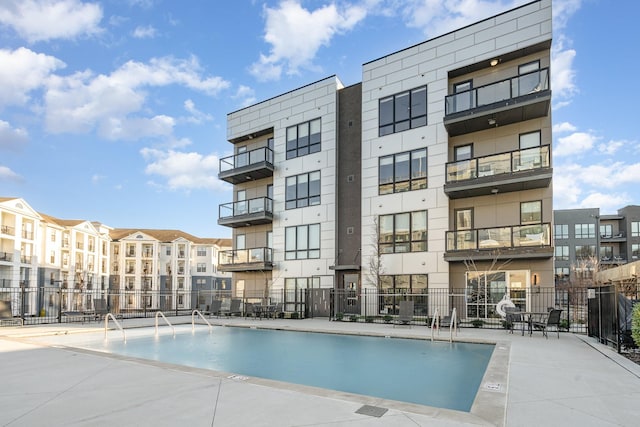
[[10, 137], [612, 146], [7, 174], [563, 75], [42, 20], [183, 171], [113, 104], [564, 127], [574, 144], [296, 34], [609, 202], [147, 32], [21, 72], [197, 116]]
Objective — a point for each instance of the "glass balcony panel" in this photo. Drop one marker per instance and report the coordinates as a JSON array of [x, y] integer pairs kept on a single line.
[[531, 158], [464, 169], [461, 240], [531, 235], [493, 93], [490, 238], [493, 165]]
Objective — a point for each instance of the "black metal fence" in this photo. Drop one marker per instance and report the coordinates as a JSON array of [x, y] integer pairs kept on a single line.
[[610, 310]]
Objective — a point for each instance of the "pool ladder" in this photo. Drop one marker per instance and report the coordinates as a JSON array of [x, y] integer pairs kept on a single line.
[[158, 314], [106, 326], [193, 320], [453, 325]]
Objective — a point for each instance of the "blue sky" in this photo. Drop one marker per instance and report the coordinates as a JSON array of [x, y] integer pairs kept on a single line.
[[115, 110]]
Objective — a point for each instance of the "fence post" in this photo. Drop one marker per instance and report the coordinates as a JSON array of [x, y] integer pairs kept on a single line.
[[22, 302]]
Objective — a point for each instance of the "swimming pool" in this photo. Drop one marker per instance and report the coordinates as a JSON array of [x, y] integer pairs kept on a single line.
[[445, 375]]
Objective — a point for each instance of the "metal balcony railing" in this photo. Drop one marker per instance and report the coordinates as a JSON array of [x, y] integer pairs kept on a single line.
[[516, 236], [244, 256], [503, 90], [9, 231], [253, 157], [246, 207], [503, 163]]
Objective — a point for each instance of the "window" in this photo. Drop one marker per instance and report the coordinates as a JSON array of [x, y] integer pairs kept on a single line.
[[585, 251], [530, 140], [635, 251], [201, 267], [562, 274], [403, 232], [562, 253], [464, 219], [561, 231], [402, 172], [201, 251], [585, 231], [303, 139], [606, 230], [635, 229], [302, 242], [53, 236], [406, 110], [240, 241], [463, 152], [531, 212], [303, 190], [393, 287], [529, 80]]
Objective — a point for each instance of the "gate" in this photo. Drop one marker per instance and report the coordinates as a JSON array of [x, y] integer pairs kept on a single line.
[[318, 303]]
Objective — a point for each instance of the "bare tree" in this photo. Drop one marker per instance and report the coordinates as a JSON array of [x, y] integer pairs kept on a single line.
[[374, 264]]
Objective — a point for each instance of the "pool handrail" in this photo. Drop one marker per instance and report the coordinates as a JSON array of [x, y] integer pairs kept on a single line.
[[106, 326], [193, 320], [453, 325], [435, 321], [159, 313]]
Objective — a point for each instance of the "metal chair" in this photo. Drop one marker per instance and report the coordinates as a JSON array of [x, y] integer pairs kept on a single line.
[[553, 319]]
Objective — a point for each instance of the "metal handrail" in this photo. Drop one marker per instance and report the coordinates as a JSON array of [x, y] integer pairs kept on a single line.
[[435, 322], [159, 313], [106, 326], [453, 325], [193, 320]]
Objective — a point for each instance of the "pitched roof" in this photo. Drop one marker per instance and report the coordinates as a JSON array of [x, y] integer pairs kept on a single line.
[[166, 235]]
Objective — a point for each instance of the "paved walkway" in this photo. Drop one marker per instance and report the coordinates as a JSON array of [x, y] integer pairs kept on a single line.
[[531, 381]]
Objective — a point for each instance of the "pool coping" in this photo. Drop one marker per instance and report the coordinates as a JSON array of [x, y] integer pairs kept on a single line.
[[488, 408]]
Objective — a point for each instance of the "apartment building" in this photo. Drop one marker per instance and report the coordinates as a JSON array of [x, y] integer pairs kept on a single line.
[[586, 241], [163, 267], [431, 175], [85, 260]]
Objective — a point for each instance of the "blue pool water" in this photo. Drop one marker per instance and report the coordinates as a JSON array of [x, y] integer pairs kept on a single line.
[[437, 374]]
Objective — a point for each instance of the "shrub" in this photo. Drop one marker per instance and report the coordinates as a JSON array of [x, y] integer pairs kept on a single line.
[[353, 318], [295, 315], [477, 323], [368, 319], [339, 316], [387, 318], [635, 324]]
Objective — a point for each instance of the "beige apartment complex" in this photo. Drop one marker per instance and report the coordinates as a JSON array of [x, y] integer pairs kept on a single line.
[[431, 175]]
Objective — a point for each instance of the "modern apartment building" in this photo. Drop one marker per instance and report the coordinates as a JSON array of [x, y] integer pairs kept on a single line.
[[586, 242], [431, 175]]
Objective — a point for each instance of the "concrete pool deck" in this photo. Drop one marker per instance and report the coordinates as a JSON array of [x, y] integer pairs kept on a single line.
[[531, 381]]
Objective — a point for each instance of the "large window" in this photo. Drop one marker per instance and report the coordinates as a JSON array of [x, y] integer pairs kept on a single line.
[[303, 190], [562, 253], [531, 212], [585, 251], [635, 251], [635, 229], [403, 172], [585, 231], [562, 275], [303, 139], [403, 232], [302, 242], [402, 111], [561, 231], [394, 288], [606, 230]]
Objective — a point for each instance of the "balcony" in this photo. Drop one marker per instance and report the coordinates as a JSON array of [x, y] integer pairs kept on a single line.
[[505, 172], [249, 166], [255, 259], [6, 256], [501, 243], [246, 212], [513, 100], [8, 230]]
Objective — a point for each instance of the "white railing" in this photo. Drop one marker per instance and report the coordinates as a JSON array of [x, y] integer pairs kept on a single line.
[[159, 313], [193, 320], [106, 326]]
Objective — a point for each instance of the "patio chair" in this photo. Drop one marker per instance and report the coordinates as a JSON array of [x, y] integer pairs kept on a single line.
[[100, 306], [445, 322], [275, 310], [216, 307], [553, 319], [234, 308], [405, 316], [513, 316]]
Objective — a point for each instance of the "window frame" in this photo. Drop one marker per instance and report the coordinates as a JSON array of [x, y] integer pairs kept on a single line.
[[561, 231], [580, 232], [403, 241], [303, 232], [532, 213], [305, 201], [402, 185], [306, 143], [392, 117]]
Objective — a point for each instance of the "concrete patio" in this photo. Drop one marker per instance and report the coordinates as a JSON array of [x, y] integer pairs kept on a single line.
[[531, 381]]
